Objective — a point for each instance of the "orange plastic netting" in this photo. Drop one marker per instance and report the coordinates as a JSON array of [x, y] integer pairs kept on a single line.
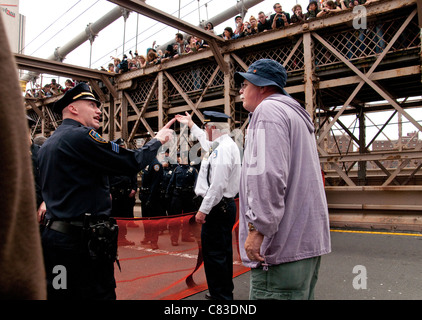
[[163, 271]]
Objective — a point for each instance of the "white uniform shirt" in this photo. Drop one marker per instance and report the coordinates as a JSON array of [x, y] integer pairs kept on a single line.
[[224, 176]]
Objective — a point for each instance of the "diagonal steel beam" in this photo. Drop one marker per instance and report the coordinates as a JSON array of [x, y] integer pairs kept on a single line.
[[212, 39], [292, 52], [366, 78], [185, 97], [239, 61], [324, 154], [348, 131], [211, 79], [380, 130], [381, 92], [141, 112]]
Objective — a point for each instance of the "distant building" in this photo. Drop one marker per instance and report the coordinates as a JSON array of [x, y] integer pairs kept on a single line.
[[342, 145], [14, 24], [408, 142], [339, 144]]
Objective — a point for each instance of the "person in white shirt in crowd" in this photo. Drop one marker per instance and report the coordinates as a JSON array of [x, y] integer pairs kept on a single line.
[[217, 185]]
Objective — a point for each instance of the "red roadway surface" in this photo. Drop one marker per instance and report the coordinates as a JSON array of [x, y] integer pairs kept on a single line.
[[148, 274]]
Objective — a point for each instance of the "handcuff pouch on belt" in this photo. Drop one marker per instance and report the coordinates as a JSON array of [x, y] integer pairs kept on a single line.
[[101, 237], [221, 206], [120, 193]]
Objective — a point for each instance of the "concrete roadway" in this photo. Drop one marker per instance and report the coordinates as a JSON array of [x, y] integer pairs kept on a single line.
[[392, 262]]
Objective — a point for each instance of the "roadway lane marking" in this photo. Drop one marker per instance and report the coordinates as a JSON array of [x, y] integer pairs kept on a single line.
[[375, 232]]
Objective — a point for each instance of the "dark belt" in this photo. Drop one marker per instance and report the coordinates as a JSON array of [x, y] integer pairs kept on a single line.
[[224, 201], [72, 227], [184, 190]]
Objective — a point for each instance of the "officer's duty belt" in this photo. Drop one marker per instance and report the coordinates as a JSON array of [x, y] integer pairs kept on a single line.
[[183, 190], [73, 227], [224, 201]]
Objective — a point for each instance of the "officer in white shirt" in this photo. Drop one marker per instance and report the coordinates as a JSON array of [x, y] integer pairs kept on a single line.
[[217, 185]]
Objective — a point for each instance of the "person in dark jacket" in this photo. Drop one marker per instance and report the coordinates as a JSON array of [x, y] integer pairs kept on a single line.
[[181, 189], [123, 190], [150, 196]]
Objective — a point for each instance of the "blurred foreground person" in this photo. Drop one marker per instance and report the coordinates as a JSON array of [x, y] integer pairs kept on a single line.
[[21, 265]]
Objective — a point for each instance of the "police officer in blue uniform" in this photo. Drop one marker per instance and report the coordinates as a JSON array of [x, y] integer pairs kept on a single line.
[[181, 189], [74, 164], [150, 196], [165, 181], [123, 190]]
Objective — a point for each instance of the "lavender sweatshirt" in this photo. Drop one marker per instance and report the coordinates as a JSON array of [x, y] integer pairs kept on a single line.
[[281, 188]]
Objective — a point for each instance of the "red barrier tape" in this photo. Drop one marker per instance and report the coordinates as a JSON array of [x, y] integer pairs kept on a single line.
[[163, 270]]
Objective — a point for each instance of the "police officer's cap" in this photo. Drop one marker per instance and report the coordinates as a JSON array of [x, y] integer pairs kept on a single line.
[[214, 116], [80, 92], [119, 141]]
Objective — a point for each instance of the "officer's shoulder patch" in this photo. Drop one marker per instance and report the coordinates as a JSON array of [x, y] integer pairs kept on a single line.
[[156, 167], [96, 136], [214, 154]]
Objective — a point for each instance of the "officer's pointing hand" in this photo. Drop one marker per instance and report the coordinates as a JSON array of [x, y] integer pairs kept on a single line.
[[165, 133], [187, 119]]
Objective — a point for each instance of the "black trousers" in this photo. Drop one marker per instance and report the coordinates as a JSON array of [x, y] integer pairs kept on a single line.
[[182, 202], [151, 207], [217, 250], [70, 271]]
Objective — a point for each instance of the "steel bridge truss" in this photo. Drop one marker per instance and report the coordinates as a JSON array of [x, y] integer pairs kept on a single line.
[[347, 79]]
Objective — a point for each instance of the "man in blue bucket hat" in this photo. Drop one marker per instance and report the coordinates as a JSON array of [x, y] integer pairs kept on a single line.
[[263, 73], [283, 213]]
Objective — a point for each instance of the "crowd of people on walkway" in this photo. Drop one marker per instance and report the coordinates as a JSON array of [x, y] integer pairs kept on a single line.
[[184, 45], [49, 89], [188, 44]]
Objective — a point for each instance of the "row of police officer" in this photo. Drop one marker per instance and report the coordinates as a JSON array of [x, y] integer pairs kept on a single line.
[[167, 189]]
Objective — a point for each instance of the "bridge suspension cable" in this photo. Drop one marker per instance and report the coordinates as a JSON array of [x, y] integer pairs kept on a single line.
[[144, 31], [64, 27], [49, 26]]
